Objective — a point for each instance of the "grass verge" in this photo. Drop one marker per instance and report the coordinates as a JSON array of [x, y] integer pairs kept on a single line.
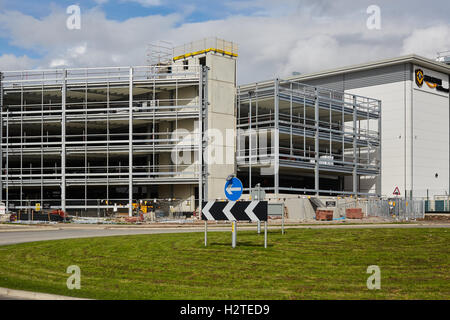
[[302, 264]]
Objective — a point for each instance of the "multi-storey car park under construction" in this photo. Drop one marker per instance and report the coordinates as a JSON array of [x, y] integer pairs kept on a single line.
[[318, 139], [84, 139], [74, 137]]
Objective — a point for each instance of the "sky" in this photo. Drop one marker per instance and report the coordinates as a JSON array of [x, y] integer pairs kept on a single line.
[[275, 37]]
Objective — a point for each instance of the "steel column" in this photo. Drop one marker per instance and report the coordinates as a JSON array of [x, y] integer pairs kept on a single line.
[[1, 139], [250, 145], [316, 142], [63, 141], [380, 176], [355, 162], [277, 138], [130, 146], [200, 146]]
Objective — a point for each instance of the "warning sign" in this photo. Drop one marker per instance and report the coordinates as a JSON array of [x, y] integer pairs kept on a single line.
[[396, 191]]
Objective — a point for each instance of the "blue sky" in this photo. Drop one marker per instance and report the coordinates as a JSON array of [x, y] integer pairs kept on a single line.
[[118, 10], [275, 37]]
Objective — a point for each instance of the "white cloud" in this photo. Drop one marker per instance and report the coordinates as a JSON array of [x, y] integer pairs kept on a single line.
[[307, 39], [58, 63], [428, 41], [10, 62]]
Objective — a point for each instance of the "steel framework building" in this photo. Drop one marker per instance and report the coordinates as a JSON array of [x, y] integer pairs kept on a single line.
[[305, 139], [86, 139], [77, 139]]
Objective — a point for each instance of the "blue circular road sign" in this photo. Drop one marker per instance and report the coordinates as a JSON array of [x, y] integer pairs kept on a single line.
[[233, 189]]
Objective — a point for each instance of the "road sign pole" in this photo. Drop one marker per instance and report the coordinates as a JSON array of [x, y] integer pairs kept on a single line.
[[206, 233], [265, 234], [233, 235], [259, 227]]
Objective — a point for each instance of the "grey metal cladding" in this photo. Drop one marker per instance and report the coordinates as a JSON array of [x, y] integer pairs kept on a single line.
[[331, 82], [365, 78], [379, 76]]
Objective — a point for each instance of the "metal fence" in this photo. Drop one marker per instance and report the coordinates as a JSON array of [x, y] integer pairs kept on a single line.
[[395, 209]]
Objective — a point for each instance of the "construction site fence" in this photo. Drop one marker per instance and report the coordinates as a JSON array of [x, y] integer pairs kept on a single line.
[[390, 209], [398, 209]]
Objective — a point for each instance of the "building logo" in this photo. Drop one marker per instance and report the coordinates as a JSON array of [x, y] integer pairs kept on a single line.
[[419, 77], [432, 82]]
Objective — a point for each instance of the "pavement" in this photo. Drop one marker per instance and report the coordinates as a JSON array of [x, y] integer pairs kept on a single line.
[[10, 294]]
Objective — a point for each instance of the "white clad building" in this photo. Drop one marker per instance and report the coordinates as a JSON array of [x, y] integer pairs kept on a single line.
[[415, 102]]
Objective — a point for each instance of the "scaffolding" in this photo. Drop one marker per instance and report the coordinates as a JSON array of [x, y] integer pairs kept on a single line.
[[306, 139], [159, 53], [80, 139]]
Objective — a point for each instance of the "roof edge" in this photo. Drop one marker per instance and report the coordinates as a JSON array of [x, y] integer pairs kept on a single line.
[[411, 58]]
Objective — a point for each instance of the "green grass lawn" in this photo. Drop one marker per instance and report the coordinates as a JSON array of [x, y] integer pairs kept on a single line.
[[302, 264]]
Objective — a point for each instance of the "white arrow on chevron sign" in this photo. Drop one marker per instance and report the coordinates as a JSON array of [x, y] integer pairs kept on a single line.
[[206, 210], [249, 211], [227, 210], [230, 189]]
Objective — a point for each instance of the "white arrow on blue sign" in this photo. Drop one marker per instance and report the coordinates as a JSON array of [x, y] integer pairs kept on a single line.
[[233, 189]]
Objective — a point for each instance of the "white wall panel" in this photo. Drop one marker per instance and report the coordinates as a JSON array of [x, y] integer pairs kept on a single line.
[[393, 97]]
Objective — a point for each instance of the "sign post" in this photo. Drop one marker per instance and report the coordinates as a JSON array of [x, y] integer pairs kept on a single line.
[[258, 194], [265, 234], [206, 233], [235, 211], [233, 191], [233, 234]]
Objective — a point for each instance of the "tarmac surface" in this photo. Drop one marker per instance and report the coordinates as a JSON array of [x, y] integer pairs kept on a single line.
[[13, 234]]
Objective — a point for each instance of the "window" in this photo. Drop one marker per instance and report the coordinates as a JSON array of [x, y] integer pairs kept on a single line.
[[202, 61], [185, 65]]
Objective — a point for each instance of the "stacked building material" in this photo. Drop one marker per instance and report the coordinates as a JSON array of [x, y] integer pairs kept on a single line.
[[354, 213], [324, 215]]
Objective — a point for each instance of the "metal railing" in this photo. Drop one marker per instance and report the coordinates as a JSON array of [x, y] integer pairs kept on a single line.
[[83, 76], [207, 43]]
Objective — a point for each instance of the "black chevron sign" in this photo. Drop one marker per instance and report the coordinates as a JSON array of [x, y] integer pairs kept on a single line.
[[235, 211]]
